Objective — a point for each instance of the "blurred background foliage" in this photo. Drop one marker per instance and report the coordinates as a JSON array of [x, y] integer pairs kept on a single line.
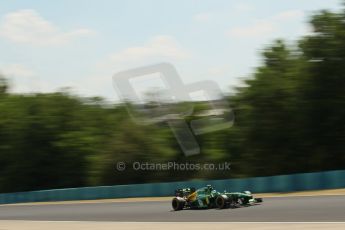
[[289, 118]]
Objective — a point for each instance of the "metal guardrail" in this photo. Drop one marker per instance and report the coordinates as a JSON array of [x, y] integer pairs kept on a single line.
[[281, 183]]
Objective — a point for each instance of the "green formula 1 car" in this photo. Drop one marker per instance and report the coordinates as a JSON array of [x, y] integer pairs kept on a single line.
[[208, 197]]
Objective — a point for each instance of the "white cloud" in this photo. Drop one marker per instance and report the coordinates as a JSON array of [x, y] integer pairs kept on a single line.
[[289, 15], [27, 26], [157, 49], [202, 17], [257, 29], [266, 26], [217, 70], [223, 14], [17, 70], [243, 7], [22, 79], [162, 46]]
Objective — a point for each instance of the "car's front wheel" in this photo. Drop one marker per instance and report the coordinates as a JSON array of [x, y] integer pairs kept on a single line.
[[178, 203]]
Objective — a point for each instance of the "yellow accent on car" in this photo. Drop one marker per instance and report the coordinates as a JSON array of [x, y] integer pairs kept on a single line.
[[192, 197]]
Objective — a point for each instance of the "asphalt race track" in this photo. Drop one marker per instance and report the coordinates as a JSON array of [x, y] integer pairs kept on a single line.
[[278, 209]]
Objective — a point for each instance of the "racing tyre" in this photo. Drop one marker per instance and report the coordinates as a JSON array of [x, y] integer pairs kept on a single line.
[[178, 203], [243, 201], [222, 201], [259, 200]]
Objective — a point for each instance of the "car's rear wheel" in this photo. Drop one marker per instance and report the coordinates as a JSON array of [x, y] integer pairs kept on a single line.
[[243, 201], [222, 201], [178, 203], [259, 200]]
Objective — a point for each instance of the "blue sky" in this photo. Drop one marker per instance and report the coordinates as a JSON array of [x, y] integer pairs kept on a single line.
[[46, 45]]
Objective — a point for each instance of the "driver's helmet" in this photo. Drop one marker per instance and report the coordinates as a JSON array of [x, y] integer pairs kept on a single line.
[[209, 188]]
